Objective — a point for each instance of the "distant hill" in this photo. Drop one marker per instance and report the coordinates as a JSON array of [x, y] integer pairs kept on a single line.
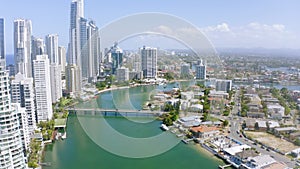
[[284, 52]]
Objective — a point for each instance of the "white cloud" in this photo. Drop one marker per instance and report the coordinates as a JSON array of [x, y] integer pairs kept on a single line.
[[223, 27], [253, 34]]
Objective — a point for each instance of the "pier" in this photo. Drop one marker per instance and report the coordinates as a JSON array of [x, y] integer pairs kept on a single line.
[[224, 166]]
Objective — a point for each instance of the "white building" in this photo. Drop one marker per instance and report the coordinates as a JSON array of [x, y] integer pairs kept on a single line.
[[185, 70], [149, 62], [2, 47], [56, 84], [201, 71], [11, 149], [22, 46], [23, 121], [37, 47], [62, 59], [42, 88], [55, 68], [93, 51], [275, 111], [223, 85], [258, 162], [74, 48], [22, 91], [73, 84], [52, 48], [122, 74]]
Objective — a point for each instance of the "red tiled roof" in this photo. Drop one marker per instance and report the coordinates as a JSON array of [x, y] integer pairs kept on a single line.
[[204, 129]]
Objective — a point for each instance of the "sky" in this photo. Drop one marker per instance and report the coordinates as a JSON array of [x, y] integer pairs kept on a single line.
[[227, 24]]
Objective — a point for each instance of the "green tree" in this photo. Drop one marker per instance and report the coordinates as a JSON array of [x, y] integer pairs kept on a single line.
[[225, 123]]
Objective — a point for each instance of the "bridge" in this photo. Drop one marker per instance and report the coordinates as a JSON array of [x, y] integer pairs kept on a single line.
[[114, 112]]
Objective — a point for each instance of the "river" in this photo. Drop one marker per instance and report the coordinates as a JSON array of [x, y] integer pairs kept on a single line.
[[79, 151]]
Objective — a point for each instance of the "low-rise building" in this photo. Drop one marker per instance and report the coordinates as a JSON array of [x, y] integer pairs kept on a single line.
[[196, 108], [275, 111], [259, 162], [205, 131], [284, 130]]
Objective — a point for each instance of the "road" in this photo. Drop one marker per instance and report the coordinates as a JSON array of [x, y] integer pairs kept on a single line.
[[235, 126]]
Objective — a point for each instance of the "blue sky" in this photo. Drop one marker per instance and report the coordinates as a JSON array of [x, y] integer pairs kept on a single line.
[[231, 23]]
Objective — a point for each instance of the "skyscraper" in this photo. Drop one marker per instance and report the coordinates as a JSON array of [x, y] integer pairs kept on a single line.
[[42, 88], [93, 50], [23, 126], [185, 70], [201, 71], [11, 153], [56, 84], [22, 46], [122, 74], [55, 68], [223, 85], [117, 57], [2, 49], [62, 59], [74, 48], [149, 62], [22, 92], [37, 47], [52, 48]]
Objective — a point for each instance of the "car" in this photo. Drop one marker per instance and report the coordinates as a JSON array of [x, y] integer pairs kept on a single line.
[[228, 131], [241, 136]]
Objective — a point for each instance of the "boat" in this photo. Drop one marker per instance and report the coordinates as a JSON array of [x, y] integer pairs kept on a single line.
[[164, 127], [185, 141], [64, 136]]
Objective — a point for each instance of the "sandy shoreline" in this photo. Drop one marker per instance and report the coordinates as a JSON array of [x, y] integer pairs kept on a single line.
[[207, 153]]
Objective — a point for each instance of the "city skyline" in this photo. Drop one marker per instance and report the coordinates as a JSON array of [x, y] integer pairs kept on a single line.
[[226, 24]]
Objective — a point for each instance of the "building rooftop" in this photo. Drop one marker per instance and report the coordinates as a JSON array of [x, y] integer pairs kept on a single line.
[[262, 160], [204, 129], [246, 154], [286, 129], [236, 149]]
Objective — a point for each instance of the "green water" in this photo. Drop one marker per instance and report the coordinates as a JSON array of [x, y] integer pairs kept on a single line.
[[78, 151]]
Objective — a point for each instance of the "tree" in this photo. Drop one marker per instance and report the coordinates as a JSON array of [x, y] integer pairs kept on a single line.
[[226, 113], [205, 116], [225, 123], [297, 142], [169, 76], [167, 121]]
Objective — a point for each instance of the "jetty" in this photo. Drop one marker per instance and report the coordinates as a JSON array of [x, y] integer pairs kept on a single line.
[[225, 166]]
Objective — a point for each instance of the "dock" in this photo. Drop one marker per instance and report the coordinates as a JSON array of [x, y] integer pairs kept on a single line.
[[225, 166]]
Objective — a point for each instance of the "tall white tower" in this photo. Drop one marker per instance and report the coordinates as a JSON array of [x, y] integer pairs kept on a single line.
[[52, 48], [11, 149], [22, 92], [22, 46], [62, 59], [149, 62], [2, 49], [74, 48], [55, 68], [42, 88]]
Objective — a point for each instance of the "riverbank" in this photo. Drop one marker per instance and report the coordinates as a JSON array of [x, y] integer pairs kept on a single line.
[[205, 152]]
